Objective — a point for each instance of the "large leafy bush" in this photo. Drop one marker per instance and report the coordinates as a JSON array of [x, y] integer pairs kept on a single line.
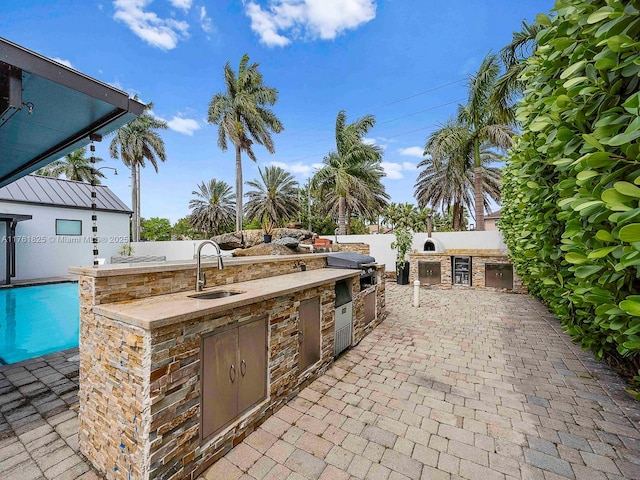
[[571, 195]]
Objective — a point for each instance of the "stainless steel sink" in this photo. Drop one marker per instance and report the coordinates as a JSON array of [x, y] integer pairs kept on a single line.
[[213, 295]]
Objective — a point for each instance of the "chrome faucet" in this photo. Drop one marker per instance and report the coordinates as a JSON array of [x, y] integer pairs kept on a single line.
[[201, 279]]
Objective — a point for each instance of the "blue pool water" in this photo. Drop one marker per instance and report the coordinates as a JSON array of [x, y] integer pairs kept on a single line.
[[38, 320]]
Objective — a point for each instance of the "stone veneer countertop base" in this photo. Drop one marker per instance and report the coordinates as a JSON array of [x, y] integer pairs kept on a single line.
[[162, 310]]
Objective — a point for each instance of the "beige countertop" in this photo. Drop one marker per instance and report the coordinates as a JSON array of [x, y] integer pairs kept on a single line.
[[116, 269], [159, 311]]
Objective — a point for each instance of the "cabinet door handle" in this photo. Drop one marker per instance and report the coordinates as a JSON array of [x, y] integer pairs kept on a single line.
[[232, 373], [243, 367]]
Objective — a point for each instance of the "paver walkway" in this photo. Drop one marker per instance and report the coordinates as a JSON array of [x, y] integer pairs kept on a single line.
[[39, 420], [471, 384]]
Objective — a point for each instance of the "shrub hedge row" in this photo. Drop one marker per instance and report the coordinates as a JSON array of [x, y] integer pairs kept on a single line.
[[571, 193]]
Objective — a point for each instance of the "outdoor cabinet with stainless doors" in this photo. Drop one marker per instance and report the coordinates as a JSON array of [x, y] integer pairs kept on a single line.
[[369, 307], [309, 333], [429, 273], [233, 373], [343, 325], [498, 275]]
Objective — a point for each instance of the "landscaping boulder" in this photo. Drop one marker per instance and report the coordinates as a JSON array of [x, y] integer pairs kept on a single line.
[[288, 242], [229, 241], [251, 238]]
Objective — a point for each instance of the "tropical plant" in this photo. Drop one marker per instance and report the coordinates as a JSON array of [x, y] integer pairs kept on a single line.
[[74, 166], [126, 250], [402, 245], [156, 229], [402, 215], [212, 209], [350, 179], [478, 125], [182, 229], [571, 199], [135, 143], [274, 197], [447, 175], [443, 222], [510, 86], [243, 117]]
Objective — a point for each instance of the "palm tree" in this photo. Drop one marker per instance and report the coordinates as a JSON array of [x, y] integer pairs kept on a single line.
[[74, 166], [275, 197], [509, 86], [366, 203], [448, 178], [353, 170], [243, 118], [212, 209], [134, 143], [479, 124]]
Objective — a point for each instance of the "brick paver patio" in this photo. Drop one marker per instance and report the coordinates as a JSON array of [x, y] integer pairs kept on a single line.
[[472, 384]]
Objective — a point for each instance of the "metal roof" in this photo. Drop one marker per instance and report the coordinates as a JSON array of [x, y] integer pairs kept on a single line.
[[38, 190], [48, 110]]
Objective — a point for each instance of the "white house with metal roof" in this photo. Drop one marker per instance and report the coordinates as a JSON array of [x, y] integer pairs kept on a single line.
[[47, 225]]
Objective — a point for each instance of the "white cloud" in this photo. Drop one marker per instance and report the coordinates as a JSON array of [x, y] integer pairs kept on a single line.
[[163, 33], [375, 141], [183, 4], [412, 152], [409, 166], [324, 19], [394, 170], [185, 126], [66, 63], [296, 168], [205, 21]]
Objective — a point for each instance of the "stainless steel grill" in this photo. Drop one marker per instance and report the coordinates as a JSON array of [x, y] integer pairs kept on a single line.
[[355, 261]]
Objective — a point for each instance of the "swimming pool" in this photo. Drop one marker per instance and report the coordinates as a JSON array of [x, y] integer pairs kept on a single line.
[[38, 320]]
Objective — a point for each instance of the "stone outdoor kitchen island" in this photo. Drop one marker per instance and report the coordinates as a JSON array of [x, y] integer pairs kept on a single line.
[[170, 383]]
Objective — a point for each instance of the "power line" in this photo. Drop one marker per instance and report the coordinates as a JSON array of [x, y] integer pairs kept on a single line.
[[394, 102]]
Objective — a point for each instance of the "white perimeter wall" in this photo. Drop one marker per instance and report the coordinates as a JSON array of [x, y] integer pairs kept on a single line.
[[380, 245], [41, 254], [174, 250]]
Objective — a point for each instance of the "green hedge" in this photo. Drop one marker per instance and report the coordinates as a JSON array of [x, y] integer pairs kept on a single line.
[[571, 193]]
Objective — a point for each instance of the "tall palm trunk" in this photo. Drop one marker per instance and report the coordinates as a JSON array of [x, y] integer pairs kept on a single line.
[[138, 204], [477, 185], [348, 220], [456, 216], [134, 202], [238, 189], [342, 206]]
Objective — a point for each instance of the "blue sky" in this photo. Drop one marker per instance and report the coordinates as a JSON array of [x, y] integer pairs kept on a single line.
[[405, 61]]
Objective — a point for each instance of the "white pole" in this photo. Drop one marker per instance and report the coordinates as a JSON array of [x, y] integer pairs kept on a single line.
[[416, 293]]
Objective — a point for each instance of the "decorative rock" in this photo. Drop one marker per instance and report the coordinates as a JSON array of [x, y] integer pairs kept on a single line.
[[251, 238], [287, 242], [229, 241]]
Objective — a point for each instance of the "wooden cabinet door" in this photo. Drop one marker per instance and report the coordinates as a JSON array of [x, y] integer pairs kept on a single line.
[[220, 374], [309, 333], [252, 384]]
